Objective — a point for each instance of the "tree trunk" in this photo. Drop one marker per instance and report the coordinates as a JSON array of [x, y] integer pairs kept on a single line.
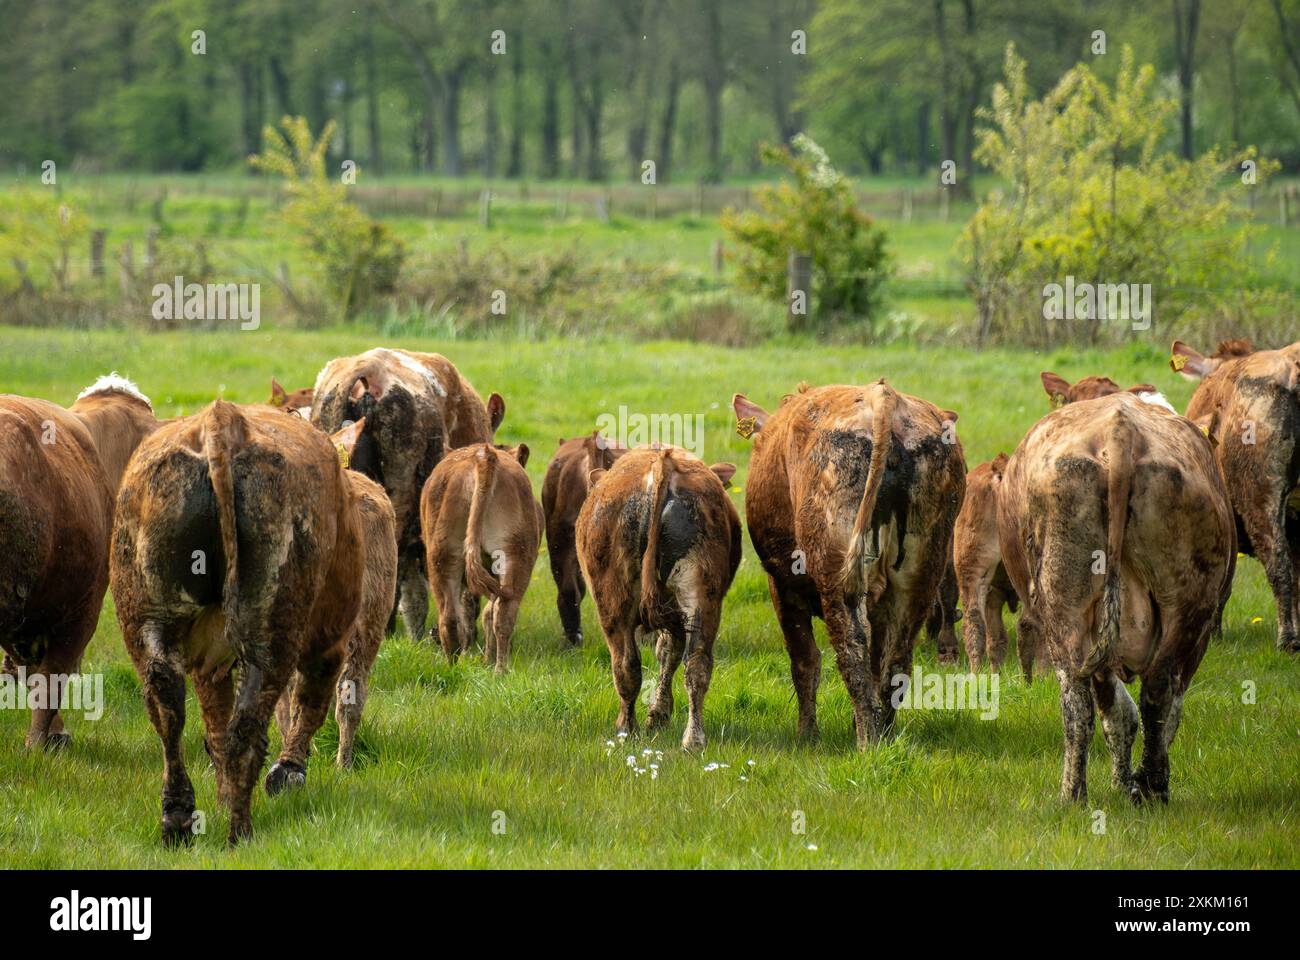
[[515, 161], [715, 78], [372, 108], [550, 124], [449, 122], [491, 123], [1185, 49], [250, 103], [923, 138], [668, 122]]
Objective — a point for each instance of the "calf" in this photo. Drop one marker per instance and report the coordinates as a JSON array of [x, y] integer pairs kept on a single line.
[[659, 542], [236, 545], [564, 490], [1119, 588], [851, 500], [478, 507], [416, 407], [378, 582], [299, 401], [1249, 402], [59, 472]]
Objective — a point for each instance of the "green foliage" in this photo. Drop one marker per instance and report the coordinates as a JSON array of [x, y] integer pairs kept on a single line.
[[1090, 195], [814, 213], [359, 257], [42, 226]]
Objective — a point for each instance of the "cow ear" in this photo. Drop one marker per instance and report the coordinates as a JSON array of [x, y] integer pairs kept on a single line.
[[1142, 388], [750, 417], [521, 454], [593, 476], [1183, 359], [949, 416], [724, 472], [1058, 388], [359, 389], [999, 465], [278, 395], [496, 408], [1205, 423], [345, 440]]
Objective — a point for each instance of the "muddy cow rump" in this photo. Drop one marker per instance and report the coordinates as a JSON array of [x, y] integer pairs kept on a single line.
[[659, 543], [564, 490], [236, 551], [59, 471], [850, 502], [1248, 402], [417, 406], [1120, 591]]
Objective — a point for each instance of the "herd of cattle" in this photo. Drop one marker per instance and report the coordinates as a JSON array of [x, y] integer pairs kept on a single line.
[[264, 550]]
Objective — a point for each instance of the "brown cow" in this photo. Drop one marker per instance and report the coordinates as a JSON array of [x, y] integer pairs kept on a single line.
[[659, 542], [478, 506], [236, 545], [851, 500], [564, 490], [1087, 512], [982, 580], [59, 472], [378, 582], [1249, 402], [417, 406]]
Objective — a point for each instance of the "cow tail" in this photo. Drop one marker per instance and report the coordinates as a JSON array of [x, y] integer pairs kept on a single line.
[[662, 474], [223, 433], [1119, 481], [882, 441], [477, 576]]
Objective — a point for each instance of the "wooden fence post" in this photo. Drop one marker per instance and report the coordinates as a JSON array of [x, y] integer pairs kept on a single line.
[[717, 256], [97, 254], [485, 209], [798, 288]]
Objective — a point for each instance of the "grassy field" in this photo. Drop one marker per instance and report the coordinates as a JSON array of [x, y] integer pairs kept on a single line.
[[443, 748]]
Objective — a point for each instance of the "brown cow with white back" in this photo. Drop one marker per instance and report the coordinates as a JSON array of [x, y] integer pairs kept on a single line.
[[59, 472]]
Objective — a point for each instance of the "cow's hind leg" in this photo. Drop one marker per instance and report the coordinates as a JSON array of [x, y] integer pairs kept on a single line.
[[216, 701], [1162, 704], [848, 632], [500, 629], [246, 742], [669, 647], [312, 689], [351, 692], [163, 679], [805, 659], [1077, 717], [625, 662], [1119, 725], [413, 591], [489, 632], [701, 632]]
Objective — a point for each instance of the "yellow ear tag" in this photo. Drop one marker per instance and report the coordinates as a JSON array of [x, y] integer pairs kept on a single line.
[[745, 426], [277, 401], [1177, 362], [1058, 401], [344, 459], [1214, 441]]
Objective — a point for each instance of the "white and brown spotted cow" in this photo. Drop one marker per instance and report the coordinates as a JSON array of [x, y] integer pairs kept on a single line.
[[417, 406], [59, 472], [482, 530], [237, 550], [659, 543], [1115, 529], [1249, 402], [981, 578], [851, 499]]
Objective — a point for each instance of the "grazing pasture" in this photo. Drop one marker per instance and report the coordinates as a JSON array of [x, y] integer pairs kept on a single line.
[[455, 767]]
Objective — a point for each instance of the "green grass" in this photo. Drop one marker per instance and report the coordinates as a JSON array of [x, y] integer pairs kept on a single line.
[[443, 747]]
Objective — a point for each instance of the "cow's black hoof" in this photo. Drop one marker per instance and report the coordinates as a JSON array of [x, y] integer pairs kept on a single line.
[[284, 776], [575, 639], [178, 829]]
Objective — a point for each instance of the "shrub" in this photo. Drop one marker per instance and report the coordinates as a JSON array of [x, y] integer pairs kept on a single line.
[[815, 212], [359, 258], [1091, 195]]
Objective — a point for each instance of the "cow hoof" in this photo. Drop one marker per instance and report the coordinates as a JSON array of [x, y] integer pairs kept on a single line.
[[575, 639], [1142, 790], [284, 776], [57, 741], [948, 659], [1289, 646], [177, 829]]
